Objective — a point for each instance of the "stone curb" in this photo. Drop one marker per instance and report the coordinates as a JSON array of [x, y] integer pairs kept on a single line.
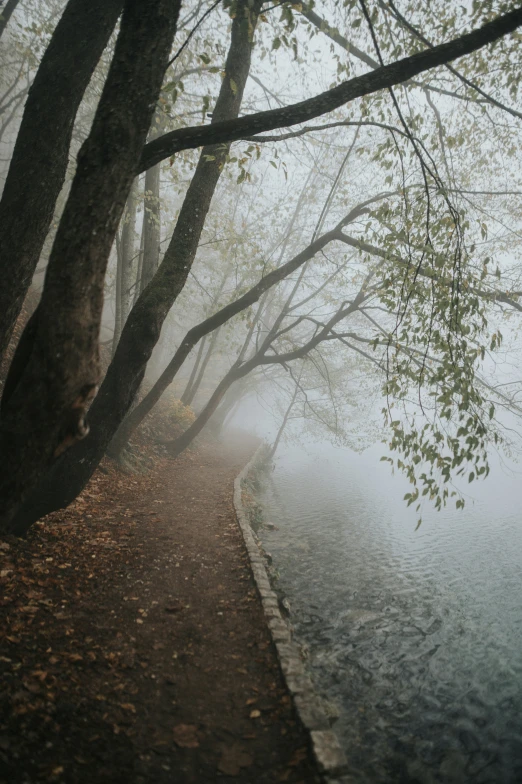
[[330, 758]]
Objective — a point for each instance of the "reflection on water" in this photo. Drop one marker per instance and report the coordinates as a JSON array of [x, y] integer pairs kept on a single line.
[[416, 635]]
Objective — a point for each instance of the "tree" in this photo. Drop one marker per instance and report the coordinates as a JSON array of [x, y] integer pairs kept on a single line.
[[54, 377], [217, 320], [69, 472], [125, 265], [39, 161], [143, 325]]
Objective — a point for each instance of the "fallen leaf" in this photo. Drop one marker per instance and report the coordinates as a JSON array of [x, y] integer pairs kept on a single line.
[[185, 736], [255, 714], [233, 759]]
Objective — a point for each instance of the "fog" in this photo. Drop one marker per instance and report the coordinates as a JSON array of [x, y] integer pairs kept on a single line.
[[302, 222]]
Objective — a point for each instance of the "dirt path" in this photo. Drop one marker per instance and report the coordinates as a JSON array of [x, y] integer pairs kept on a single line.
[[133, 645]]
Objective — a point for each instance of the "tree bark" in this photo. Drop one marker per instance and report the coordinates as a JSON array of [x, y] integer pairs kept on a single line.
[[117, 299], [137, 287], [204, 364], [39, 163], [188, 394], [146, 319], [128, 252], [45, 413], [141, 332], [151, 226], [188, 389]]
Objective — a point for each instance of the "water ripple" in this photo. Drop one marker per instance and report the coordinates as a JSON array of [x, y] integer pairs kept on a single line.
[[417, 635]]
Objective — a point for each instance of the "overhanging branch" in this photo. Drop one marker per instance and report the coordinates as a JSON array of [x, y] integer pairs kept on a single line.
[[303, 111]]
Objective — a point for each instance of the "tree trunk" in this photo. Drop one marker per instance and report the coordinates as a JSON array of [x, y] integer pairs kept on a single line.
[[284, 422], [177, 446], [40, 157], [146, 319], [141, 332], [261, 289], [45, 413], [199, 379], [227, 406], [238, 371], [134, 419], [127, 252], [188, 395], [151, 226], [5, 13], [137, 285], [188, 389], [117, 299]]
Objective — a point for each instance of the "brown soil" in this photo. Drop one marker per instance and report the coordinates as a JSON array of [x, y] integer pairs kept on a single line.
[[133, 645]]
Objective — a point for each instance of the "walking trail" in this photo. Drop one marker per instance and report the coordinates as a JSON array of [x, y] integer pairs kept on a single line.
[[133, 647]]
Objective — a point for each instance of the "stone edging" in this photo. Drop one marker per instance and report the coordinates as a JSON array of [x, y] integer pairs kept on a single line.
[[328, 753]]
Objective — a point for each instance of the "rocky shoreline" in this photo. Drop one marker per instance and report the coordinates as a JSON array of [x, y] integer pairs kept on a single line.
[[330, 758]]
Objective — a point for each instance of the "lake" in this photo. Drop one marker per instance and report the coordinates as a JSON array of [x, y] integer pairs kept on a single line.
[[415, 635]]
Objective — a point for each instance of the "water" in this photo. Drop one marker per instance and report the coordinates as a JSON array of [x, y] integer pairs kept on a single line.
[[416, 635]]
